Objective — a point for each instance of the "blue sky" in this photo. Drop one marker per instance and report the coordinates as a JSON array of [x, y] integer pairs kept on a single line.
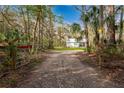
[[69, 13]]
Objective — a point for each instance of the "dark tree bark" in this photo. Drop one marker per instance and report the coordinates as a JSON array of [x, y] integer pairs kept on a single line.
[[121, 25], [111, 26]]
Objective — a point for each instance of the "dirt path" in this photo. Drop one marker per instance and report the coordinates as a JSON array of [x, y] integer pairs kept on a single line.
[[64, 70]]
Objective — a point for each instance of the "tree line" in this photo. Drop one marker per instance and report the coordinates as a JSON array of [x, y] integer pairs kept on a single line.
[[106, 25], [36, 26]]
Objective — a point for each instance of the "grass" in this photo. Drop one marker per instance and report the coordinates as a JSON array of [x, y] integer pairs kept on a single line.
[[62, 49]]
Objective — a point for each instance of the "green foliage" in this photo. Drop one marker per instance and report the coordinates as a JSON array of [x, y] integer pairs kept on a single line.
[[86, 17], [35, 9], [76, 27], [94, 14], [113, 53], [7, 62], [14, 36], [2, 37]]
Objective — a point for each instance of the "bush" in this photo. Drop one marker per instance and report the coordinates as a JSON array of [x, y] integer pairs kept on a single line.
[[112, 53]]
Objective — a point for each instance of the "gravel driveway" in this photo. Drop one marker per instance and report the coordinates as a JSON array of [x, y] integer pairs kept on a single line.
[[64, 70]]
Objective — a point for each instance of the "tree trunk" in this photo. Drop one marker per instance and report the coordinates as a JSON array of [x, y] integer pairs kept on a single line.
[[101, 23], [87, 38], [100, 43], [34, 35], [12, 54], [111, 27], [28, 25], [42, 22], [50, 30], [24, 19], [121, 25]]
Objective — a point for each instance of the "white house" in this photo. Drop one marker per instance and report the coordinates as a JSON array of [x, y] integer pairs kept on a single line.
[[71, 42]]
